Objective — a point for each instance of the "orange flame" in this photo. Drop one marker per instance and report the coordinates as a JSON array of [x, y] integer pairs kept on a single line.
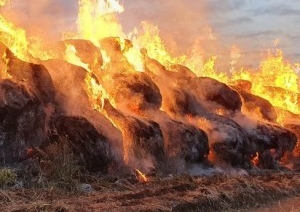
[[141, 176]]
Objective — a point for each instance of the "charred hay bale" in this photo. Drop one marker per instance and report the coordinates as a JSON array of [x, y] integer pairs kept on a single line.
[[271, 138], [22, 122], [35, 76], [260, 106], [90, 148], [215, 92], [295, 128], [135, 90], [87, 52], [106, 128], [185, 141], [228, 142], [144, 143]]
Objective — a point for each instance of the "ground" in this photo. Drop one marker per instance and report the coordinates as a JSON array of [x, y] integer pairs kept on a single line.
[[218, 192]]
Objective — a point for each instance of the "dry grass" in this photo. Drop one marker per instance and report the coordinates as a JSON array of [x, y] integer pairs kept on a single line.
[[177, 193]]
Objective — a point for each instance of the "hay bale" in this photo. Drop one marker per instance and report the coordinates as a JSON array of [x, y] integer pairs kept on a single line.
[[22, 122], [228, 141], [184, 141], [216, 94], [271, 139], [91, 149], [134, 90], [258, 105], [143, 140], [35, 76]]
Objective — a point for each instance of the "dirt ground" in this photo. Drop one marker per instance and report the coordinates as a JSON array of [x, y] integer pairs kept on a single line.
[[173, 193]]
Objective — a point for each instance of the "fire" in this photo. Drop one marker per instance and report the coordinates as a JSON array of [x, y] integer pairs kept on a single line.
[[3, 2], [3, 67], [208, 70], [276, 79], [152, 42], [97, 19], [71, 57], [141, 177], [255, 160], [135, 58], [15, 38]]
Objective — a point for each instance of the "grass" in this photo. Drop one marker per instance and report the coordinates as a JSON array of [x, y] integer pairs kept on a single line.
[[177, 193], [7, 177]]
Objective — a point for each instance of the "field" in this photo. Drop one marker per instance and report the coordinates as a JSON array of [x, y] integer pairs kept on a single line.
[[217, 192]]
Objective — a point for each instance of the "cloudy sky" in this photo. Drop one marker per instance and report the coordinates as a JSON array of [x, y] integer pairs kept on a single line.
[[253, 25]]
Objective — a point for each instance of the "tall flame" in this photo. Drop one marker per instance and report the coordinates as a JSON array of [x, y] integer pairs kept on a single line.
[[97, 19], [276, 81]]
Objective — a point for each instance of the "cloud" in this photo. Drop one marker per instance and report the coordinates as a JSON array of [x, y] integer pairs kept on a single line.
[[226, 5], [234, 22], [276, 10], [264, 33]]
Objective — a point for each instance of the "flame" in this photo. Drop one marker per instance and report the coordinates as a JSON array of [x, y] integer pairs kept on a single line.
[[106, 59], [255, 160], [141, 176], [135, 58], [4, 67], [97, 19], [71, 57], [275, 81], [3, 2], [152, 42], [15, 38], [96, 93]]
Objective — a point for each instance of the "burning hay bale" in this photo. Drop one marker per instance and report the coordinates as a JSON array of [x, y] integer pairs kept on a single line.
[[242, 85], [176, 102], [86, 51], [217, 95], [184, 141], [227, 140], [255, 104], [143, 140], [182, 70], [90, 148], [35, 76], [272, 142], [22, 122], [295, 128], [133, 90], [113, 49], [69, 86]]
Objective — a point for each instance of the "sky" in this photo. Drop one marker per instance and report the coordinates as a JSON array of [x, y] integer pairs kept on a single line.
[[215, 25]]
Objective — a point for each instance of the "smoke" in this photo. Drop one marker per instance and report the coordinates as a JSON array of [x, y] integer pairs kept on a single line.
[[43, 18], [180, 23]]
